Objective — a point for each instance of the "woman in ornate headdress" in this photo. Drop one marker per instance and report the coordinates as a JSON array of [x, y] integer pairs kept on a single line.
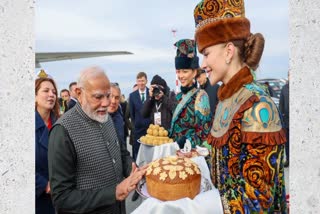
[[247, 137], [192, 117]]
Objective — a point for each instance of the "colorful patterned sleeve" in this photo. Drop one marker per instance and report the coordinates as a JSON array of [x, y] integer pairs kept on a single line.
[[203, 119]]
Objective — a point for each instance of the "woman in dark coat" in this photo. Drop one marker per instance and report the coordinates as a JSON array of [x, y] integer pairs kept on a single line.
[[46, 113]]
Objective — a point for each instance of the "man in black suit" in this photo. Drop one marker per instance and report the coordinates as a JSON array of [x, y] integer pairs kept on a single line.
[[136, 100], [128, 119], [73, 95], [141, 124]]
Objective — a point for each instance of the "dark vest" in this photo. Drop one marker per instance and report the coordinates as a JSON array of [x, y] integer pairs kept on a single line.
[[97, 150]]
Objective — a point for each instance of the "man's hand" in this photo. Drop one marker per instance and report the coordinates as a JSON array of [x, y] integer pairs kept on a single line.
[[130, 183]]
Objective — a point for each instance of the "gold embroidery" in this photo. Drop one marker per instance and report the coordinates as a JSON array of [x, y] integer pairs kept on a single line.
[[226, 109], [262, 117]]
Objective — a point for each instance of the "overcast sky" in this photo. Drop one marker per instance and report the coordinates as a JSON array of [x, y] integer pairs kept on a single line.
[[144, 28]]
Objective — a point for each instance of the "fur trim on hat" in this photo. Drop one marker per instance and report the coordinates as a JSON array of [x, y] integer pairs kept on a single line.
[[187, 63], [221, 31]]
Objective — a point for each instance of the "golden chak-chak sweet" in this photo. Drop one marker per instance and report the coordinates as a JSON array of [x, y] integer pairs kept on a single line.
[[156, 135], [172, 178]]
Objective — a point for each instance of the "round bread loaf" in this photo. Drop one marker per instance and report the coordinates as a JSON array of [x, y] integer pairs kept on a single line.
[[172, 178]]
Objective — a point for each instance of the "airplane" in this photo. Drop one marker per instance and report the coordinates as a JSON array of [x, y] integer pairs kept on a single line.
[[56, 56]]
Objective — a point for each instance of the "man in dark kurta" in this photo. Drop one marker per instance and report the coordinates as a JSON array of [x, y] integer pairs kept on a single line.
[[87, 162]]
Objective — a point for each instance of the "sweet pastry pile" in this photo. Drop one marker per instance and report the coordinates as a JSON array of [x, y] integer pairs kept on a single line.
[[156, 135], [172, 178]]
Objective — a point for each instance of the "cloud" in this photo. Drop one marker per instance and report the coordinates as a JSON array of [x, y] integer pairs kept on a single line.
[[144, 28], [70, 26]]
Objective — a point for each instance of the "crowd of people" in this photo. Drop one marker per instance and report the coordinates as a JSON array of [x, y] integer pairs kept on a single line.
[[82, 161]]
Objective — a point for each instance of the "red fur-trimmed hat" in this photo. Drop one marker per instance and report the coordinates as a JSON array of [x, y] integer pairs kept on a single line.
[[219, 21]]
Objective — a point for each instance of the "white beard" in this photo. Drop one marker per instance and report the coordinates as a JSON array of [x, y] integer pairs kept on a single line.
[[93, 115]]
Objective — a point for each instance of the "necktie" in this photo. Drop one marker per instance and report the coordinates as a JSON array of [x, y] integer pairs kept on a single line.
[[142, 97]]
